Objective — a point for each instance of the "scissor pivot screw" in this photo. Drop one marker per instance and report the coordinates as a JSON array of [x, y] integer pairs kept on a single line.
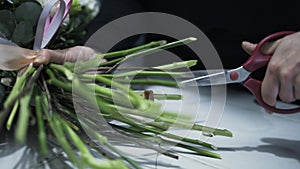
[[234, 75]]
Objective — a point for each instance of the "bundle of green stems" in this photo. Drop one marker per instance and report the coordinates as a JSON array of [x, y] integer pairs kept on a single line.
[[48, 95]]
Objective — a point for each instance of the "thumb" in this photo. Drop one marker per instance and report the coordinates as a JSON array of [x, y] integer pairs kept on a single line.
[[248, 46], [268, 48]]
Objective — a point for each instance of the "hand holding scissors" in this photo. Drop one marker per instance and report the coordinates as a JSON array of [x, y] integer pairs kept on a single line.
[[241, 75]]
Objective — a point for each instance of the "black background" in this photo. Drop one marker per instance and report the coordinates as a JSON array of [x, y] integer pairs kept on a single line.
[[226, 23]]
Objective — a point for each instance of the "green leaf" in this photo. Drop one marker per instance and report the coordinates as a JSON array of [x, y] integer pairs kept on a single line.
[[23, 34], [75, 7], [7, 24], [28, 12], [75, 23]]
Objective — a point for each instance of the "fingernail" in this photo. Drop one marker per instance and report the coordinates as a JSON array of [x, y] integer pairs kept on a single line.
[[247, 43], [269, 112]]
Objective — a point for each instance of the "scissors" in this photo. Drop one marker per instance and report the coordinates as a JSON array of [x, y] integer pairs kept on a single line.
[[241, 74]]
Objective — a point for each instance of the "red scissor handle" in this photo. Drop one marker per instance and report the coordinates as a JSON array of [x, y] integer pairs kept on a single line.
[[255, 87], [258, 59]]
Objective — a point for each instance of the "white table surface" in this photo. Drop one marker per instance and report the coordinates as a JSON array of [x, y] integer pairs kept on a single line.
[[260, 141]]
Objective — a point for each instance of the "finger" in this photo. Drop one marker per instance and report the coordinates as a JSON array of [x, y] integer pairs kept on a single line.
[[297, 87], [248, 47], [270, 88], [269, 111], [270, 47], [286, 91]]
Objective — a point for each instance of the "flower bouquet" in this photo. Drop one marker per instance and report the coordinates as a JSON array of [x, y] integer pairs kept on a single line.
[[79, 101]]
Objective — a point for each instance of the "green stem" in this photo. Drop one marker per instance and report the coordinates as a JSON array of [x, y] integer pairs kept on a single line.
[[114, 96], [19, 85], [176, 65], [167, 96], [145, 73], [54, 81], [161, 96], [160, 140], [140, 102], [87, 157], [152, 113], [189, 140], [111, 62], [103, 141], [197, 150], [41, 128], [12, 115], [153, 50], [62, 69], [214, 131], [24, 114], [56, 128], [169, 135], [162, 47], [168, 83], [133, 50], [104, 164], [46, 93], [181, 124], [17, 94], [115, 113], [126, 111], [120, 114], [204, 129]]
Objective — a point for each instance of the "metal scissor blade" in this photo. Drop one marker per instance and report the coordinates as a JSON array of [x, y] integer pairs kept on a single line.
[[217, 78], [199, 73]]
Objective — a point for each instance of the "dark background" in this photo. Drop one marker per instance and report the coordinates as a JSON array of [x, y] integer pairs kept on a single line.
[[226, 23]]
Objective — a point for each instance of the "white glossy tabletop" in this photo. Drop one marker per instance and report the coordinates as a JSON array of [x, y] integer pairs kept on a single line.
[[260, 140]]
